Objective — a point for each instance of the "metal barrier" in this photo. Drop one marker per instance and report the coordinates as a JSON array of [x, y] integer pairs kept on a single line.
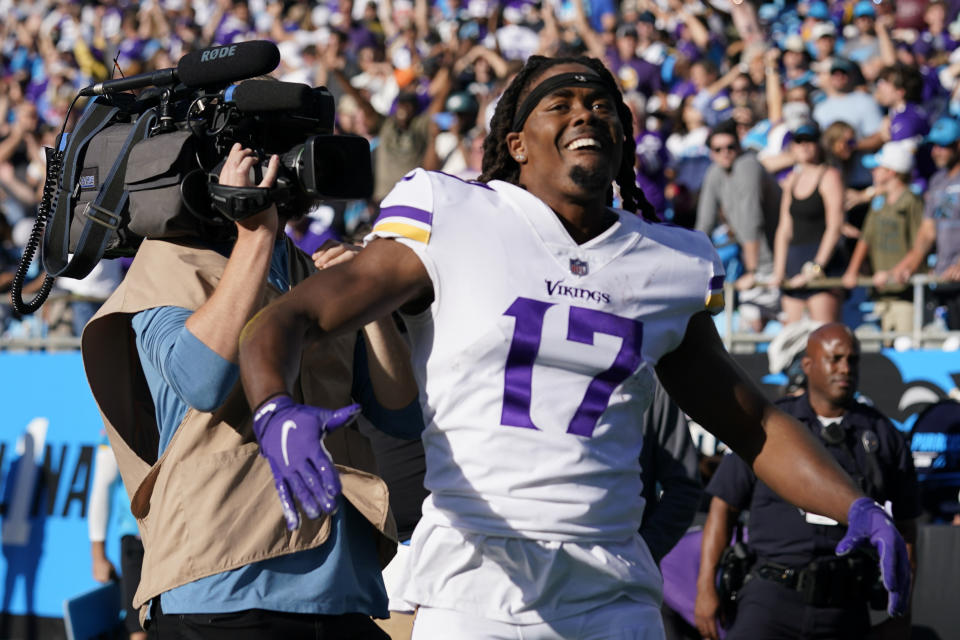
[[44, 342], [920, 335], [733, 340]]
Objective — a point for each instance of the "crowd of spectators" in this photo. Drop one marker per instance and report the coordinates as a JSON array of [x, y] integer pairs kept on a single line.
[[811, 140]]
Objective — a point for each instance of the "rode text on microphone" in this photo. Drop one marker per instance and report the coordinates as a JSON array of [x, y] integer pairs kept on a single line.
[[146, 165], [218, 52]]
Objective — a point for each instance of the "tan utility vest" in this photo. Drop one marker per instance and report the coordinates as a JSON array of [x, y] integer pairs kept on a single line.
[[209, 504]]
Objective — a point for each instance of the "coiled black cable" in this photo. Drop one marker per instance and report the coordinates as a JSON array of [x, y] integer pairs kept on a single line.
[[50, 189]]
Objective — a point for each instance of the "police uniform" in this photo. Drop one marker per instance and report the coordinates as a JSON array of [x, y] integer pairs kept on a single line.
[[534, 363], [798, 587]]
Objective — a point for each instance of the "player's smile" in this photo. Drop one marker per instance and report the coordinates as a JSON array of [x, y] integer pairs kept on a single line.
[[587, 141], [588, 144], [595, 141]]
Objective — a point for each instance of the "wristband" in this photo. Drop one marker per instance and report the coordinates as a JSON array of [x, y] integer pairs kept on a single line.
[[812, 269]]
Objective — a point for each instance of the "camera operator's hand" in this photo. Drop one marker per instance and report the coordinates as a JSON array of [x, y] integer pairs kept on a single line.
[[236, 173], [291, 439], [218, 322], [333, 252]]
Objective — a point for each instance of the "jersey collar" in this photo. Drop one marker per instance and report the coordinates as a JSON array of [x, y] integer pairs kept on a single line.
[[596, 252]]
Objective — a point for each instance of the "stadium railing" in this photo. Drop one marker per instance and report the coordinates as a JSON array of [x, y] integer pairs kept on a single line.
[[921, 336], [735, 341]]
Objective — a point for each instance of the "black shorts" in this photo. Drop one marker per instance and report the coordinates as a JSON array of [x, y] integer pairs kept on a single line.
[[799, 254], [131, 561]]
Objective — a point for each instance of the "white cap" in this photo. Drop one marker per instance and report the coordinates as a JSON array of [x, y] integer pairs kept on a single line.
[[794, 42], [795, 114], [896, 156], [822, 30]]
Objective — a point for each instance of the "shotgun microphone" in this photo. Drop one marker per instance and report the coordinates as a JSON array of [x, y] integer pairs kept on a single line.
[[213, 67], [220, 66]]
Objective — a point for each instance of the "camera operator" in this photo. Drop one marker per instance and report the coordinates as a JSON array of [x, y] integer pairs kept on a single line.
[[223, 557]]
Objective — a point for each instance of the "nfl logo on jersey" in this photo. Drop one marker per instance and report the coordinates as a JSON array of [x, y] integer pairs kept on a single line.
[[578, 267]]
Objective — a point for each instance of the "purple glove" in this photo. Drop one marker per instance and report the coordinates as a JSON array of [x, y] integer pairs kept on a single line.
[[869, 523], [291, 439]]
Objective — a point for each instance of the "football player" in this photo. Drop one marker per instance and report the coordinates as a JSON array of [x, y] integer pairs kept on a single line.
[[538, 313]]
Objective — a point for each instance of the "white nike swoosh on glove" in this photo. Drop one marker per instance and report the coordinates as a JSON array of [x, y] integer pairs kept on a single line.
[[287, 427]]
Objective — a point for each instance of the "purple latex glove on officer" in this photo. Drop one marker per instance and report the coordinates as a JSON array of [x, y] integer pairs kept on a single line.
[[291, 439], [870, 524]]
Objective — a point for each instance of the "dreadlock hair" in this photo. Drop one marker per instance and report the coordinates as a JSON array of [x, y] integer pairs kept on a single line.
[[498, 164]]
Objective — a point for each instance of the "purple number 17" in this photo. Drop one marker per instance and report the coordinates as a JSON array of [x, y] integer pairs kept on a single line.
[[583, 325]]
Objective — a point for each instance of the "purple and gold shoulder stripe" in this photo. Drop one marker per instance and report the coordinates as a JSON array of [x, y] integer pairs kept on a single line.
[[714, 301], [404, 221]]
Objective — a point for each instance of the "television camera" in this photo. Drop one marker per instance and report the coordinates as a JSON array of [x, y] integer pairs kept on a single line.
[[146, 165]]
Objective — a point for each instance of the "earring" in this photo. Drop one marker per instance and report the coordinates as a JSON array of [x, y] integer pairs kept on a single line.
[[521, 157]]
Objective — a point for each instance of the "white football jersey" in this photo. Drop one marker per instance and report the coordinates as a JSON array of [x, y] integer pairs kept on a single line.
[[535, 359]]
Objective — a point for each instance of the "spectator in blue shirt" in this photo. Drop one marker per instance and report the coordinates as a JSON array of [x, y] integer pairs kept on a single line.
[[863, 47], [845, 102]]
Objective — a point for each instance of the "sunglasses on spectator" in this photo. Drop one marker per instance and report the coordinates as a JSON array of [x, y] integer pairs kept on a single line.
[[729, 147]]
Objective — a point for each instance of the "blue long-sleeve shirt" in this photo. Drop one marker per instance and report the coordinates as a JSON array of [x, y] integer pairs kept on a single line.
[[343, 574]]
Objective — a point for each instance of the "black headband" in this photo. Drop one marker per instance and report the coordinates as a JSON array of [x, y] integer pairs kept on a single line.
[[550, 85]]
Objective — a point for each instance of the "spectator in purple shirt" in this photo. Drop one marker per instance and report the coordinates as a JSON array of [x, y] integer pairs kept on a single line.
[[712, 98], [312, 231], [129, 55], [935, 42], [898, 89], [230, 24], [652, 155], [634, 73]]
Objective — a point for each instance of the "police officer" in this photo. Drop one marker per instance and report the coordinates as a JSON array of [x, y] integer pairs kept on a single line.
[[798, 587]]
